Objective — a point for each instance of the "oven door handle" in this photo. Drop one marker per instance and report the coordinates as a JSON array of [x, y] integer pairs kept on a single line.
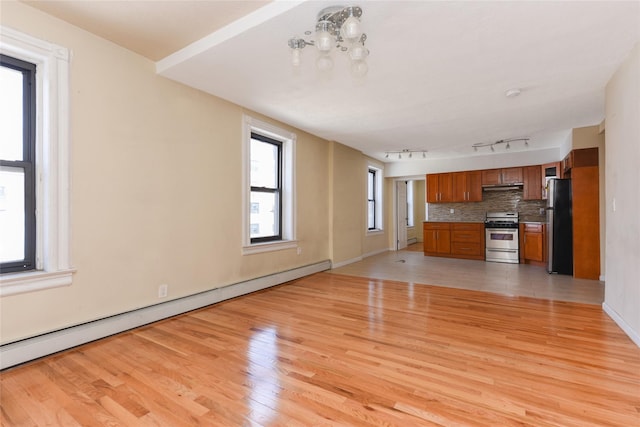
[[502, 250]]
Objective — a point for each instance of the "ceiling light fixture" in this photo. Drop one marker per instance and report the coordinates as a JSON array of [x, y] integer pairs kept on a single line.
[[492, 145], [405, 151], [340, 28]]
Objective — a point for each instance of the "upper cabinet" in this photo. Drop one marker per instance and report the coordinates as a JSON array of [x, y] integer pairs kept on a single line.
[[502, 176], [439, 188], [547, 172], [532, 189], [467, 186]]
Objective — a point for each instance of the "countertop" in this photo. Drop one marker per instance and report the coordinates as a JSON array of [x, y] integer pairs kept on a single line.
[[461, 222]]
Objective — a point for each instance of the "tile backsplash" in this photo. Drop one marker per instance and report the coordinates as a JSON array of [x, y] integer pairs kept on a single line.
[[492, 201]]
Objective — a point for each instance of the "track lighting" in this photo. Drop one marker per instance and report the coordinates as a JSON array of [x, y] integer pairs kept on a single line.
[[406, 151], [507, 142]]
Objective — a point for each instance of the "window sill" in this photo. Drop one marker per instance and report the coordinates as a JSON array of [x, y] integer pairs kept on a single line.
[[374, 232], [269, 247], [20, 283]]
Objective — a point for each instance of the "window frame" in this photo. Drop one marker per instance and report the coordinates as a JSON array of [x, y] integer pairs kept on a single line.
[[371, 181], [277, 190], [378, 199], [27, 164], [410, 204], [288, 210], [52, 164]]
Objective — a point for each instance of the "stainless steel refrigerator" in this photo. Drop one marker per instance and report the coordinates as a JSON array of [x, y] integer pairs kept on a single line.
[[559, 226]]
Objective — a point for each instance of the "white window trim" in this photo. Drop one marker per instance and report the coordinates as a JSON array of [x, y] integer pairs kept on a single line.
[[379, 202], [53, 251], [250, 124]]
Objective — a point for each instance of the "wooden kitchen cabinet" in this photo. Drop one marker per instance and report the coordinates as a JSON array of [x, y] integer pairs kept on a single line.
[[437, 238], [467, 186], [467, 240], [502, 176], [532, 189], [512, 175], [586, 213], [533, 244], [547, 172], [439, 188], [454, 240]]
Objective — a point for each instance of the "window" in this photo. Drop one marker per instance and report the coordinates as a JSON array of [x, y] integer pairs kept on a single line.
[[269, 205], [410, 222], [17, 165], [371, 199], [374, 199], [34, 164], [266, 188]]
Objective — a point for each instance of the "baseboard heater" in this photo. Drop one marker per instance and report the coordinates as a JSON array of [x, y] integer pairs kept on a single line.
[[22, 351]]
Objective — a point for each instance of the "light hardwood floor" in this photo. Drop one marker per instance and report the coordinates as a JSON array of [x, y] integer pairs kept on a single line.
[[332, 349], [411, 265]]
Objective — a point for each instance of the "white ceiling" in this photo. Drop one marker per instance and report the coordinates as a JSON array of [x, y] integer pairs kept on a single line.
[[438, 70]]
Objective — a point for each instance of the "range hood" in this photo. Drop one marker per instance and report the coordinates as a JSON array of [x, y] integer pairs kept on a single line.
[[503, 187]]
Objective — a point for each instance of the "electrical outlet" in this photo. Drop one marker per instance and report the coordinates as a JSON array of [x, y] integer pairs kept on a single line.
[[299, 250], [163, 291], [451, 210]]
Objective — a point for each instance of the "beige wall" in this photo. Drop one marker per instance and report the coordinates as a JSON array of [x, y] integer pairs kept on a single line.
[[589, 137], [348, 191], [156, 188], [622, 106]]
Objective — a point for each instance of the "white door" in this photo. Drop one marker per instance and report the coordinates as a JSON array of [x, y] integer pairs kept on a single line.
[[401, 217]]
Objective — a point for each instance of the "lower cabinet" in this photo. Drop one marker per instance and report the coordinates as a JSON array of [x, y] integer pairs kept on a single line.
[[532, 244], [454, 239], [437, 238]]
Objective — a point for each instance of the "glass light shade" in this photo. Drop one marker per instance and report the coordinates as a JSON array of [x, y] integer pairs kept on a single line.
[[351, 30], [324, 63], [358, 52], [359, 68], [324, 41], [295, 57]]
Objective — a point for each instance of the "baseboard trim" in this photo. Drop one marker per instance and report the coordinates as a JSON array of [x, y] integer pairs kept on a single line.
[[369, 254], [347, 262], [635, 337], [18, 352]]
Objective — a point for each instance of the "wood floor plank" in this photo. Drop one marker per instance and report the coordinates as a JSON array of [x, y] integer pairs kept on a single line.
[[334, 350]]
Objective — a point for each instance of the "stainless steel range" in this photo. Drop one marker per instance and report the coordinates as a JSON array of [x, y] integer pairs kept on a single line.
[[501, 237]]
